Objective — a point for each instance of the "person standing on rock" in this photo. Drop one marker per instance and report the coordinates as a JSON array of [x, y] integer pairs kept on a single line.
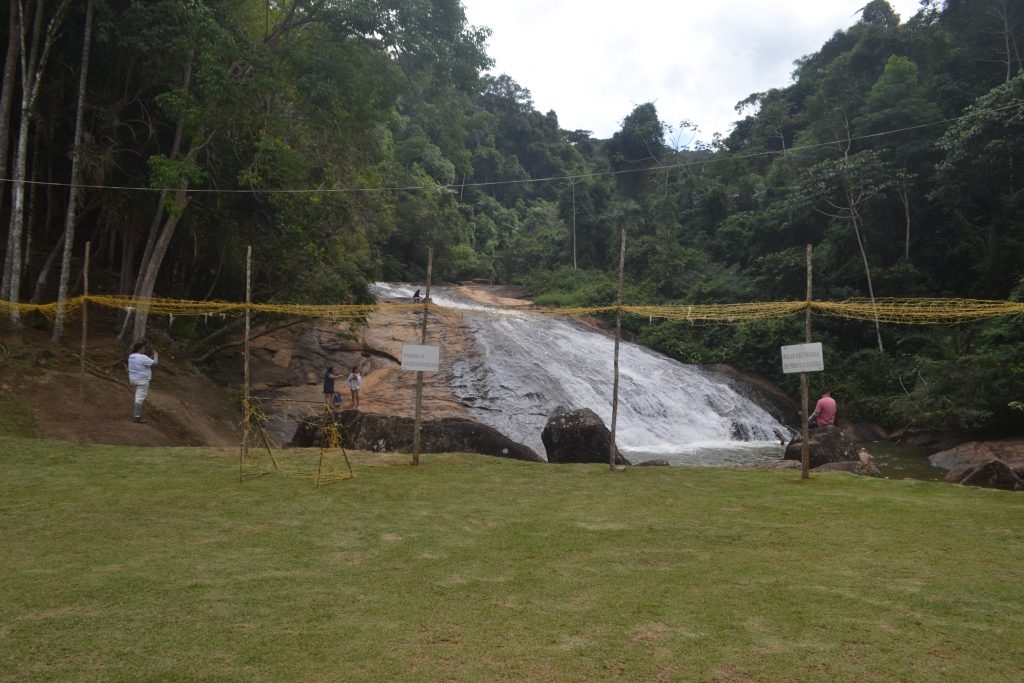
[[355, 382], [824, 414], [140, 373], [329, 378]]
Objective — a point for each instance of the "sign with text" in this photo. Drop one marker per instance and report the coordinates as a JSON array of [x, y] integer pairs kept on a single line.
[[421, 358], [802, 358]]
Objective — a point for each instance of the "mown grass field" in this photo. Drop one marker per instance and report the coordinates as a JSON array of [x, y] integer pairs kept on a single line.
[[157, 564]]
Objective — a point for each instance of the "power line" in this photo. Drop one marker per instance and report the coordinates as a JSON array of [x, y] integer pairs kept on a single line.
[[454, 187]]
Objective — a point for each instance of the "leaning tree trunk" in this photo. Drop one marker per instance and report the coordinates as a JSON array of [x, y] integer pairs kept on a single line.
[[76, 155], [147, 279], [906, 213], [147, 252], [854, 220]]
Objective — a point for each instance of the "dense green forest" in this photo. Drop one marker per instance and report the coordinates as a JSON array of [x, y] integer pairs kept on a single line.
[[342, 138]]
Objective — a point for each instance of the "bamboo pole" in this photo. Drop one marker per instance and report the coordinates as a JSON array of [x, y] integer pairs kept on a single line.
[[85, 322], [419, 373], [246, 411], [615, 364], [805, 450]]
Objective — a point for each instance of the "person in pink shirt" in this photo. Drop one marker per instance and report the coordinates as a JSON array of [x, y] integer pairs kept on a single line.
[[824, 414]]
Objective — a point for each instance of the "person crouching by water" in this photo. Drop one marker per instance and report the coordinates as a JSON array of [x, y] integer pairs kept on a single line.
[[416, 297], [824, 414], [329, 378], [355, 381], [140, 372]]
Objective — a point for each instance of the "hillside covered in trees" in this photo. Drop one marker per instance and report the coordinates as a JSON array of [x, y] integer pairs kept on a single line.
[[342, 138]]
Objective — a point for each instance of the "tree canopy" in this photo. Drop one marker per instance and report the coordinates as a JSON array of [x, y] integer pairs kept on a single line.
[[343, 139]]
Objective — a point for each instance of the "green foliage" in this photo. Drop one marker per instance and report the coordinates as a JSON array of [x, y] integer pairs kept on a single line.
[[567, 287]]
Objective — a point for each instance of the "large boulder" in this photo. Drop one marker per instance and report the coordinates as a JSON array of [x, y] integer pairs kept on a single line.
[[1010, 451], [866, 469], [371, 432], [827, 444], [578, 436], [994, 474]]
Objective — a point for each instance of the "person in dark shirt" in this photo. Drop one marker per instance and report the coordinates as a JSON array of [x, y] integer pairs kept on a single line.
[[329, 378]]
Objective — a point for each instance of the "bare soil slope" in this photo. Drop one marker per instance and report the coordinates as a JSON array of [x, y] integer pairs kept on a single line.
[[184, 408], [189, 406]]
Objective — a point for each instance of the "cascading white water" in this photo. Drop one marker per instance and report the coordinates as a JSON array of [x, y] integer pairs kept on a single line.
[[528, 365]]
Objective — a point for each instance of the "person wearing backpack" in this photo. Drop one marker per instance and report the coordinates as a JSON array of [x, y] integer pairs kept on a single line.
[[329, 393]]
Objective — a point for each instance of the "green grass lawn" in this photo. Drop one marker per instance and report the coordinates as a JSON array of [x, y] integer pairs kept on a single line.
[[140, 564]]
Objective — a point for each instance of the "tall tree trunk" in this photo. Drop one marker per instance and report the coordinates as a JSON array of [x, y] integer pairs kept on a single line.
[[855, 222], [76, 154], [147, 252], [7, 90], [147, 278], [906, 212], [44, 272], [32, 68]]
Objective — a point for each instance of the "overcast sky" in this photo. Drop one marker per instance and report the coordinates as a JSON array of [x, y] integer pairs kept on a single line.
[[594, 61]]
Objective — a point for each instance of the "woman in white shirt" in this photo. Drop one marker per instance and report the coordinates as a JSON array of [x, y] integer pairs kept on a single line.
[[355, 381]]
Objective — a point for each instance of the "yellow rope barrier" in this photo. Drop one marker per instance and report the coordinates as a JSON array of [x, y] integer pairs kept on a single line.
[[899, 311]]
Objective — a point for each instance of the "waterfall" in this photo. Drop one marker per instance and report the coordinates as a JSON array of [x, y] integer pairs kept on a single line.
[[527, 365]]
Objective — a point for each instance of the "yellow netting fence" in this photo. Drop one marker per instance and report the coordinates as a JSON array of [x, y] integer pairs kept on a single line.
[[258, 456], [899, 311]]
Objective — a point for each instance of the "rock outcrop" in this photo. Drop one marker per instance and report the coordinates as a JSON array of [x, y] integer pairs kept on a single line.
[[578, 436], [989, 464], [371, 432], [827, 445]]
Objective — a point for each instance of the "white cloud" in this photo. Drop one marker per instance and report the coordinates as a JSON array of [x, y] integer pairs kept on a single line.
[[592, 62]]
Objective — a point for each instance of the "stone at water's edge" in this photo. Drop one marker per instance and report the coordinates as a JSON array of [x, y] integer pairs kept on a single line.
[[994, 474], [1010, 451], [657, 462], [370, 432], [827, 444], [854, 466], [578, 436]]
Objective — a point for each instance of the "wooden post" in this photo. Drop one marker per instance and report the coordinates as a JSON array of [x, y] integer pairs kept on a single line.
[[805, 451], [618, 334], [85, 321], [246, 412], [572, 181], [419, 373]]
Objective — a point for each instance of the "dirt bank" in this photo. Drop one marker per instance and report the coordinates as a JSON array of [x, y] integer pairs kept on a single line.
[[184, 408]]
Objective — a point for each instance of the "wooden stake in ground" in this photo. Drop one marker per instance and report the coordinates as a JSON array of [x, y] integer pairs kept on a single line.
[[615, 363], [246, 412], [85, 321], [805, 451], [419, 373]]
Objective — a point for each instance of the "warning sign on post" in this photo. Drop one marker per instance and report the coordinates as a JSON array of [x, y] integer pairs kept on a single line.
[[802, 358], [421, 358]]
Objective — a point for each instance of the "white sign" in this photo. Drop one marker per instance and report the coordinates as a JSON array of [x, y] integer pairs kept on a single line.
[[420, 358], [802, 358]]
